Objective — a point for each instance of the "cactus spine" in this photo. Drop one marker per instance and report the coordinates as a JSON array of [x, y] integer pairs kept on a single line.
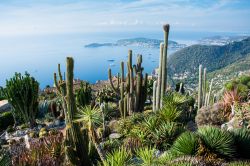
[[162, 70], [75, 142], [132, 90]]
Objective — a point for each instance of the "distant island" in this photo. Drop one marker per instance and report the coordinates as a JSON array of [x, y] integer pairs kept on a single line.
[[138, 42]]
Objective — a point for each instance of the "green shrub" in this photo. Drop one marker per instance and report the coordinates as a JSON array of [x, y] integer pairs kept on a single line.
[[242, 142], [6, 119], [185, 144], [242, 84]]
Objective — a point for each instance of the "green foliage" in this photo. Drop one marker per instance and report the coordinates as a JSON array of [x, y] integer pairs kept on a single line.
[[1, 95], [6, 119], [185, 144], [119, 157], [83, 95], [111, 145], [215, 142], [22, 93], [147, 156], [5, 159], [241, 84], [213, 57], [106, 95], [160, 133], [90, 117], [242, 142], [170, 110]]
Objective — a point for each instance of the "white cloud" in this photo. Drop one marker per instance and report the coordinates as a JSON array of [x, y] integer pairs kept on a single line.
[[141, 15]]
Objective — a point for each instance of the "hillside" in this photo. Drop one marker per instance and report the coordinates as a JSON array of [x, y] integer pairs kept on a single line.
[[213, 58], [233, 70], [222, 63]]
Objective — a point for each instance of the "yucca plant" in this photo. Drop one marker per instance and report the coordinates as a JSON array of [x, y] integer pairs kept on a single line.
[[242, 142], [91, 119], [215, 143], [185, 144], [119, 157], [147, 156]]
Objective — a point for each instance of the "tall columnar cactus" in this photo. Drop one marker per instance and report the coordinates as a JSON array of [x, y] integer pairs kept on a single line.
[[200, 88], [203, 96], [162, 70], [204, 86], [76, 146], [61, 89], [132, 90], [154, 95]]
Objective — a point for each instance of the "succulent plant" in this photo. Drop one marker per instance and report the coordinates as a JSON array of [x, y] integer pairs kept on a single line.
[[75, 142], [22, 94], [132, 90]]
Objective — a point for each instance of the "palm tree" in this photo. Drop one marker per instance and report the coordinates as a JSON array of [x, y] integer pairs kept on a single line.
[[91, 119]]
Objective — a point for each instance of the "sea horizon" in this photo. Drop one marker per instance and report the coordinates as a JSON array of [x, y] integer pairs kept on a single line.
[[40, 54]]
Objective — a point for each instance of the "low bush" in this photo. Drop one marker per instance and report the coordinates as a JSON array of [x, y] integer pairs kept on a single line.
[[6, 119]]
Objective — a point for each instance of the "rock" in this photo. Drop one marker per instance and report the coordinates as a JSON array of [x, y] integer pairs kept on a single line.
[[20, 133], [191, 126], [115, 136], [113, 125], [4, 106]]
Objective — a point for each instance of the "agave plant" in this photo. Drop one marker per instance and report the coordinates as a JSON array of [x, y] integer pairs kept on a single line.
[[119, 157], [185, 144], [242, 142], [215, 143], [147, 156], [91, 119]]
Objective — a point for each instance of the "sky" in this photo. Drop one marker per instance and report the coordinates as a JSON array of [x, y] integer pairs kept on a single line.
[[39, 17]]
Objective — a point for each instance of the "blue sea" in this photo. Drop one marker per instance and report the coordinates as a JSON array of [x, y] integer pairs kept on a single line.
[[40, 54]]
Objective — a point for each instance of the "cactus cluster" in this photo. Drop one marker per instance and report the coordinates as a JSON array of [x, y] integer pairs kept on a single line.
[[75, 142], [83, 95], [22, 94], [132, 90], [160, 85], [203, 95]]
